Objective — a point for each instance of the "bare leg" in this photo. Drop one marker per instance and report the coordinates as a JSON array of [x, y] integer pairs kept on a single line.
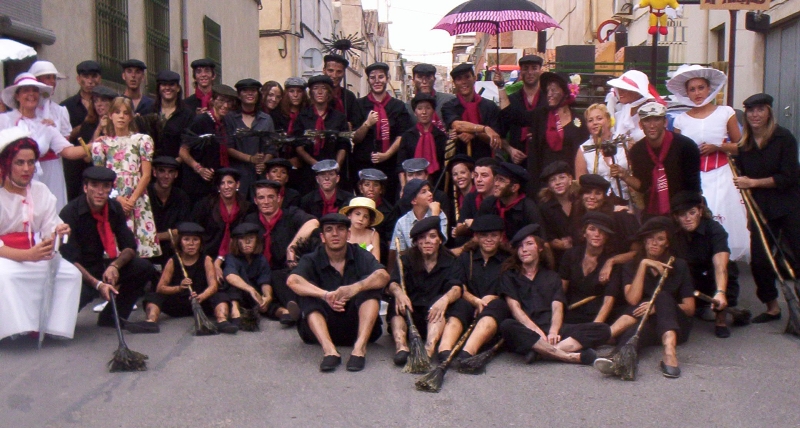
[[221, 312], [435, 330], [235, 309], [569, 345], [318, 326], [367, 314], [670, 341], [773, 308], [279, 312], [547, 350], [152, 312], [399, 332], [451, 334], [484, 330], [623, 323]]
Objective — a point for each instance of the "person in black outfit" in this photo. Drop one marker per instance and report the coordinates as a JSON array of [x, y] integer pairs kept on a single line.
[[768, 167], [93, 126], [204, 73], [78, 105], [556, 200], [381, 120], [509, 201], [171, 205], [170, 117], [423, 140], [535, 297], [424, 77], [277, 169], [172, 295], [343, 100], [133, 76], [248, 153], [429, 291], [703, 243], [662, 163], [103, 248], [483, 180], [671, 322], [528, 98], [339, 285], [328, 197]]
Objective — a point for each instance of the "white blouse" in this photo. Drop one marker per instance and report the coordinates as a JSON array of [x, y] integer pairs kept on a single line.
[[38, 209]]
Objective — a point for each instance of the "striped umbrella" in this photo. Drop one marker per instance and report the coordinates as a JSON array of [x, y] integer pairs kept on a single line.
[[495, 17]]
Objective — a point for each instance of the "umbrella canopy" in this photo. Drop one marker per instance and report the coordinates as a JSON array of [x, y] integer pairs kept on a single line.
[[13, 50], [496, 16]]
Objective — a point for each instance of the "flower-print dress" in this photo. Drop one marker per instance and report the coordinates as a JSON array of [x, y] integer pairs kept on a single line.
[[124, 155]]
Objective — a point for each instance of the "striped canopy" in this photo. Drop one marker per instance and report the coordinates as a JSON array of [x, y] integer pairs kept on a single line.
[[496, 16]]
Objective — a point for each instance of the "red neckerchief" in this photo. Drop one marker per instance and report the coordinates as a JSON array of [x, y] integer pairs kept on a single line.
[[501, 210], [659, 189], [426, 148], [478, 200], [292, 117], [205, 99], [555, 132], [106, 235], [383, 131], [319, 126], [268, 226], [524, 132], [461, 198], [228, 218], [338, 95], [471, 112], [437, 121], [222, 133], [328, 205]]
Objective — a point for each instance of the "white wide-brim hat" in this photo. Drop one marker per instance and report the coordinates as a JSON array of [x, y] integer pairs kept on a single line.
[[633, 80], [685, 73], [43, 68], [23, 79], [14, 133]]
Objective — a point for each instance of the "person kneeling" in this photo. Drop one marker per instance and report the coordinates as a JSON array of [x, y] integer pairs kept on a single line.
[[339, 285], [175, 291]]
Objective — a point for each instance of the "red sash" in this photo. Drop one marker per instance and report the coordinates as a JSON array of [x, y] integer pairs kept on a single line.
[[50, 155], [18, 240], [713, 161]]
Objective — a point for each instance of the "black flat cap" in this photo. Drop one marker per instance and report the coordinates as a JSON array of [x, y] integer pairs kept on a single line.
[[168, 76], [758, 100], [133, 63], [411, 190], [245, 229], [295, 82], [325, 166], [203, 62], [655, 224], [321, 78], [269, 184], [488, 223], [459, 159], [423, 69], [222, 172], [415, 165], [531, 59], [335, 58], [554, 168], [593, 181], [685, 200], [88, 67], [426, 224], [372, 174], [224, 90], [166, 161], [99, 173], [462, 69], [272, 163], [513, 171], [247, 83], [423, 98], [602, 221], [188, 228], [334, 218], [377, 66], [104, 92], [529, 230]]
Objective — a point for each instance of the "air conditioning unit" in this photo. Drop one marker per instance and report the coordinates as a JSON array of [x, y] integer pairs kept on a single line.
[[623, 9]]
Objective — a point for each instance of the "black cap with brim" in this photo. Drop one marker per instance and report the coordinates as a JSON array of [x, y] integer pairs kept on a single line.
[[203, 62], [245, 229], [426, 224], [549, 77], [423, 98], [99, 173], [325, 166], [461, 69], [411, 189], [222, 172], [513, 171], [133, 63], [247, 84], [168, 76], [685, 200], [758, 100], [165, 161], [372, 174], [531, 59], [88, 67], [334, 218], [335, 58], [188, 228], [593, 181], [423, 69], [224, 90], [488, 223], [554, 168], [602, 221], [321, 78], [104, 92], [272, 163], [461, 159], [377, 66], [655, 224], [269, 184], [529, 230]]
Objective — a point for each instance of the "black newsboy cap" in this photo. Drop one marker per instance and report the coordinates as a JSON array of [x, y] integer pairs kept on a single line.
[[461, 69], [554, 168], [588, 181], [424, 69], [655, 224], [168, 76], [529, 230], [245, 229], [335, 58], [426, 224], [188, 228], [203, 62], [167, 161], [135, 63], [99, 173], [334, 218], [377, 66], [685, 200], [531, 59], [247, 83], [758, 100], [87, 67], [488, 223]]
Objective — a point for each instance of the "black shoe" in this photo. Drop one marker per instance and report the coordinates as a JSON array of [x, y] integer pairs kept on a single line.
[[142, 327], [722, 331], [401, 357], [329, 363], [672, 372], [227, 327], [443, 355], [588, 356], [766, 317], [287, 320], [237, 321], [531, 357], [356, 363]]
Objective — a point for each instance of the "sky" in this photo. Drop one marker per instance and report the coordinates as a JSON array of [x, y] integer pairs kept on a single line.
[[410, 31]]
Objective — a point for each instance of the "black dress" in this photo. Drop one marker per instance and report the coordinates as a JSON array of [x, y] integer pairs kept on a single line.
[[179, 304], [582, 286]]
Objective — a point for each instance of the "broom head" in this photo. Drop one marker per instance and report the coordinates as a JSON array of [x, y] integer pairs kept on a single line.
[[431, 382], [476, 364], [125, 360], [249, 320], [418, 361], [627, 360], [202, 325], [741, 317]]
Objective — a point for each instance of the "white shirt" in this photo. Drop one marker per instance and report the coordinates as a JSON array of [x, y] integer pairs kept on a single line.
[[58, 114], [38, 208]]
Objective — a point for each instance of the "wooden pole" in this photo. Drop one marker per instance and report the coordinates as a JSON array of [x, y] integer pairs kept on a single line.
[[731, 56]]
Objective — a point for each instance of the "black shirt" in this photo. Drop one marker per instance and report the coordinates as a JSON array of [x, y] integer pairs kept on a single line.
[[678, 283], [334, 121], [281, 124], [291, 198], [423, 288], [166, 134], [248, 145], [581, 287], [481, 279], [517, 101], [73, 168], [145, 106], [316, 268], [255, 274], [535, 297], [682, 165], [285, 229], [625, 226], [206, 152], [312, 202], [350, 104], [207, 214], [169, 214], [490, 116], [399, 121], [699, 247], [196, 272], [408, 146], [84, 246], [441, 99], [77, 111], [524, 213], [778, 159]]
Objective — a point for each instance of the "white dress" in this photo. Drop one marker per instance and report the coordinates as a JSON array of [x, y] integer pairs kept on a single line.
[[22, 283], [49, 172], [716, 178], [604, 167], [48, 109]]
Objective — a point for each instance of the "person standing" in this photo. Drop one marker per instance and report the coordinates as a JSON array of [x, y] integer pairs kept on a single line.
[[424, 77], [595, 161], [171, 206], [528, 98], [424, 140], [133, 76], [204, 73], [343, 100], [247, 154], [170, 116], [271, 96], [630, 91], [46, 72], [78, 107]]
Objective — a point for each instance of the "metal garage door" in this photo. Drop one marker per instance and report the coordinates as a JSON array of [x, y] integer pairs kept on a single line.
[[782, 79]]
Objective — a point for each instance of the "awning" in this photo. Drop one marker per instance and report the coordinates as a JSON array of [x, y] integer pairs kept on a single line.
[[19, 30], [13, 50]]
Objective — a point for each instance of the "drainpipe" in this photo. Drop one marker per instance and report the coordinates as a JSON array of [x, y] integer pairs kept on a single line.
[[185, 45]]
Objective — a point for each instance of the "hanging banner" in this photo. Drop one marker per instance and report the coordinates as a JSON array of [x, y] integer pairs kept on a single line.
[[735, 4]]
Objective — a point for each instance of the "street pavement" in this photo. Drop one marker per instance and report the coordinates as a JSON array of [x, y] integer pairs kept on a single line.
[[271, 378]]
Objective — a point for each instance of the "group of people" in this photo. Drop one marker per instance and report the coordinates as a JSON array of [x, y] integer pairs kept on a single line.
[[533, 223]]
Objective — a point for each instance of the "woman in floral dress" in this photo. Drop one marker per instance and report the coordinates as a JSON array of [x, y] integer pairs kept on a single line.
[[129, 154]]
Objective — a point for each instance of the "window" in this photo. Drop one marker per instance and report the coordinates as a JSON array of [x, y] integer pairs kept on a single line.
[[212, 35], [112, 37], [157, 35]]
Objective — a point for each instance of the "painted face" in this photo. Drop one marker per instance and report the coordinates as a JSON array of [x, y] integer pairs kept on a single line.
[[503, 187], [165, 176], [295, 96], [530, 73], [424, 83], [169, 91], [462, 176], [328, 180], [377, 81], [653, 127], [690, 219], [594, 236], [227, 187], [335, 71], [222, 105], [555, 94], [268, 201], [279, 174], [191, 244], [320, 93], [88, 81], [204, 76], [97, 193], [559, 183], [656, 244], [370, 189], [484, 179], [335, 236], [428, 243], [23, 166], [465, 84], [360, 218]]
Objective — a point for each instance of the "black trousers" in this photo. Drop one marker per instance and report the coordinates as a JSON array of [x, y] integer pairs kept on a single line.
[[520, 339], [132, 280], [179, 305], [668, 317], [342, 326], [464, 312], [281, 294], [708, 286], [788, 227]]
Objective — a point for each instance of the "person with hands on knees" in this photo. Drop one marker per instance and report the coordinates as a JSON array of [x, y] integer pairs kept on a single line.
[[427, 271], [339, 285]]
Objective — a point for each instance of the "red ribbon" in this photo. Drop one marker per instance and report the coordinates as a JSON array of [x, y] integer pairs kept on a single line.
[[319, 126], [328, 205], [18, 240], [659, 189], [382, 127], [471, 112], [338, 95], [205, 99], [502, 210], [268, 226]]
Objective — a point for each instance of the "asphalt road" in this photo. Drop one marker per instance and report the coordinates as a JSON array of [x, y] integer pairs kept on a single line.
[[271, 378]]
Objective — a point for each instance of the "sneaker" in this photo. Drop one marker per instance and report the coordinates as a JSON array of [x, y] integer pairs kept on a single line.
[[99, 308], [605, 366]]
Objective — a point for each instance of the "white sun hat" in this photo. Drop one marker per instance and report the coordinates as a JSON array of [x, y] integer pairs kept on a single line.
[[43, 68], [23, 79], [633, 80], [14, 133], [686, 72]]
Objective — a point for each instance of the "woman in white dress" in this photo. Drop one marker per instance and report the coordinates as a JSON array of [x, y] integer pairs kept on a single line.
[[24, 96], [591, 159], [713, 128], [29, 226]]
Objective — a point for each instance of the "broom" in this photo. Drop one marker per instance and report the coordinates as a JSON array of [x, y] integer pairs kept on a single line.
[[626, 360], [740, 316], [432, 382], [249, 320], [202, 325], [476, 364], [124, 360], [418, 360]]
